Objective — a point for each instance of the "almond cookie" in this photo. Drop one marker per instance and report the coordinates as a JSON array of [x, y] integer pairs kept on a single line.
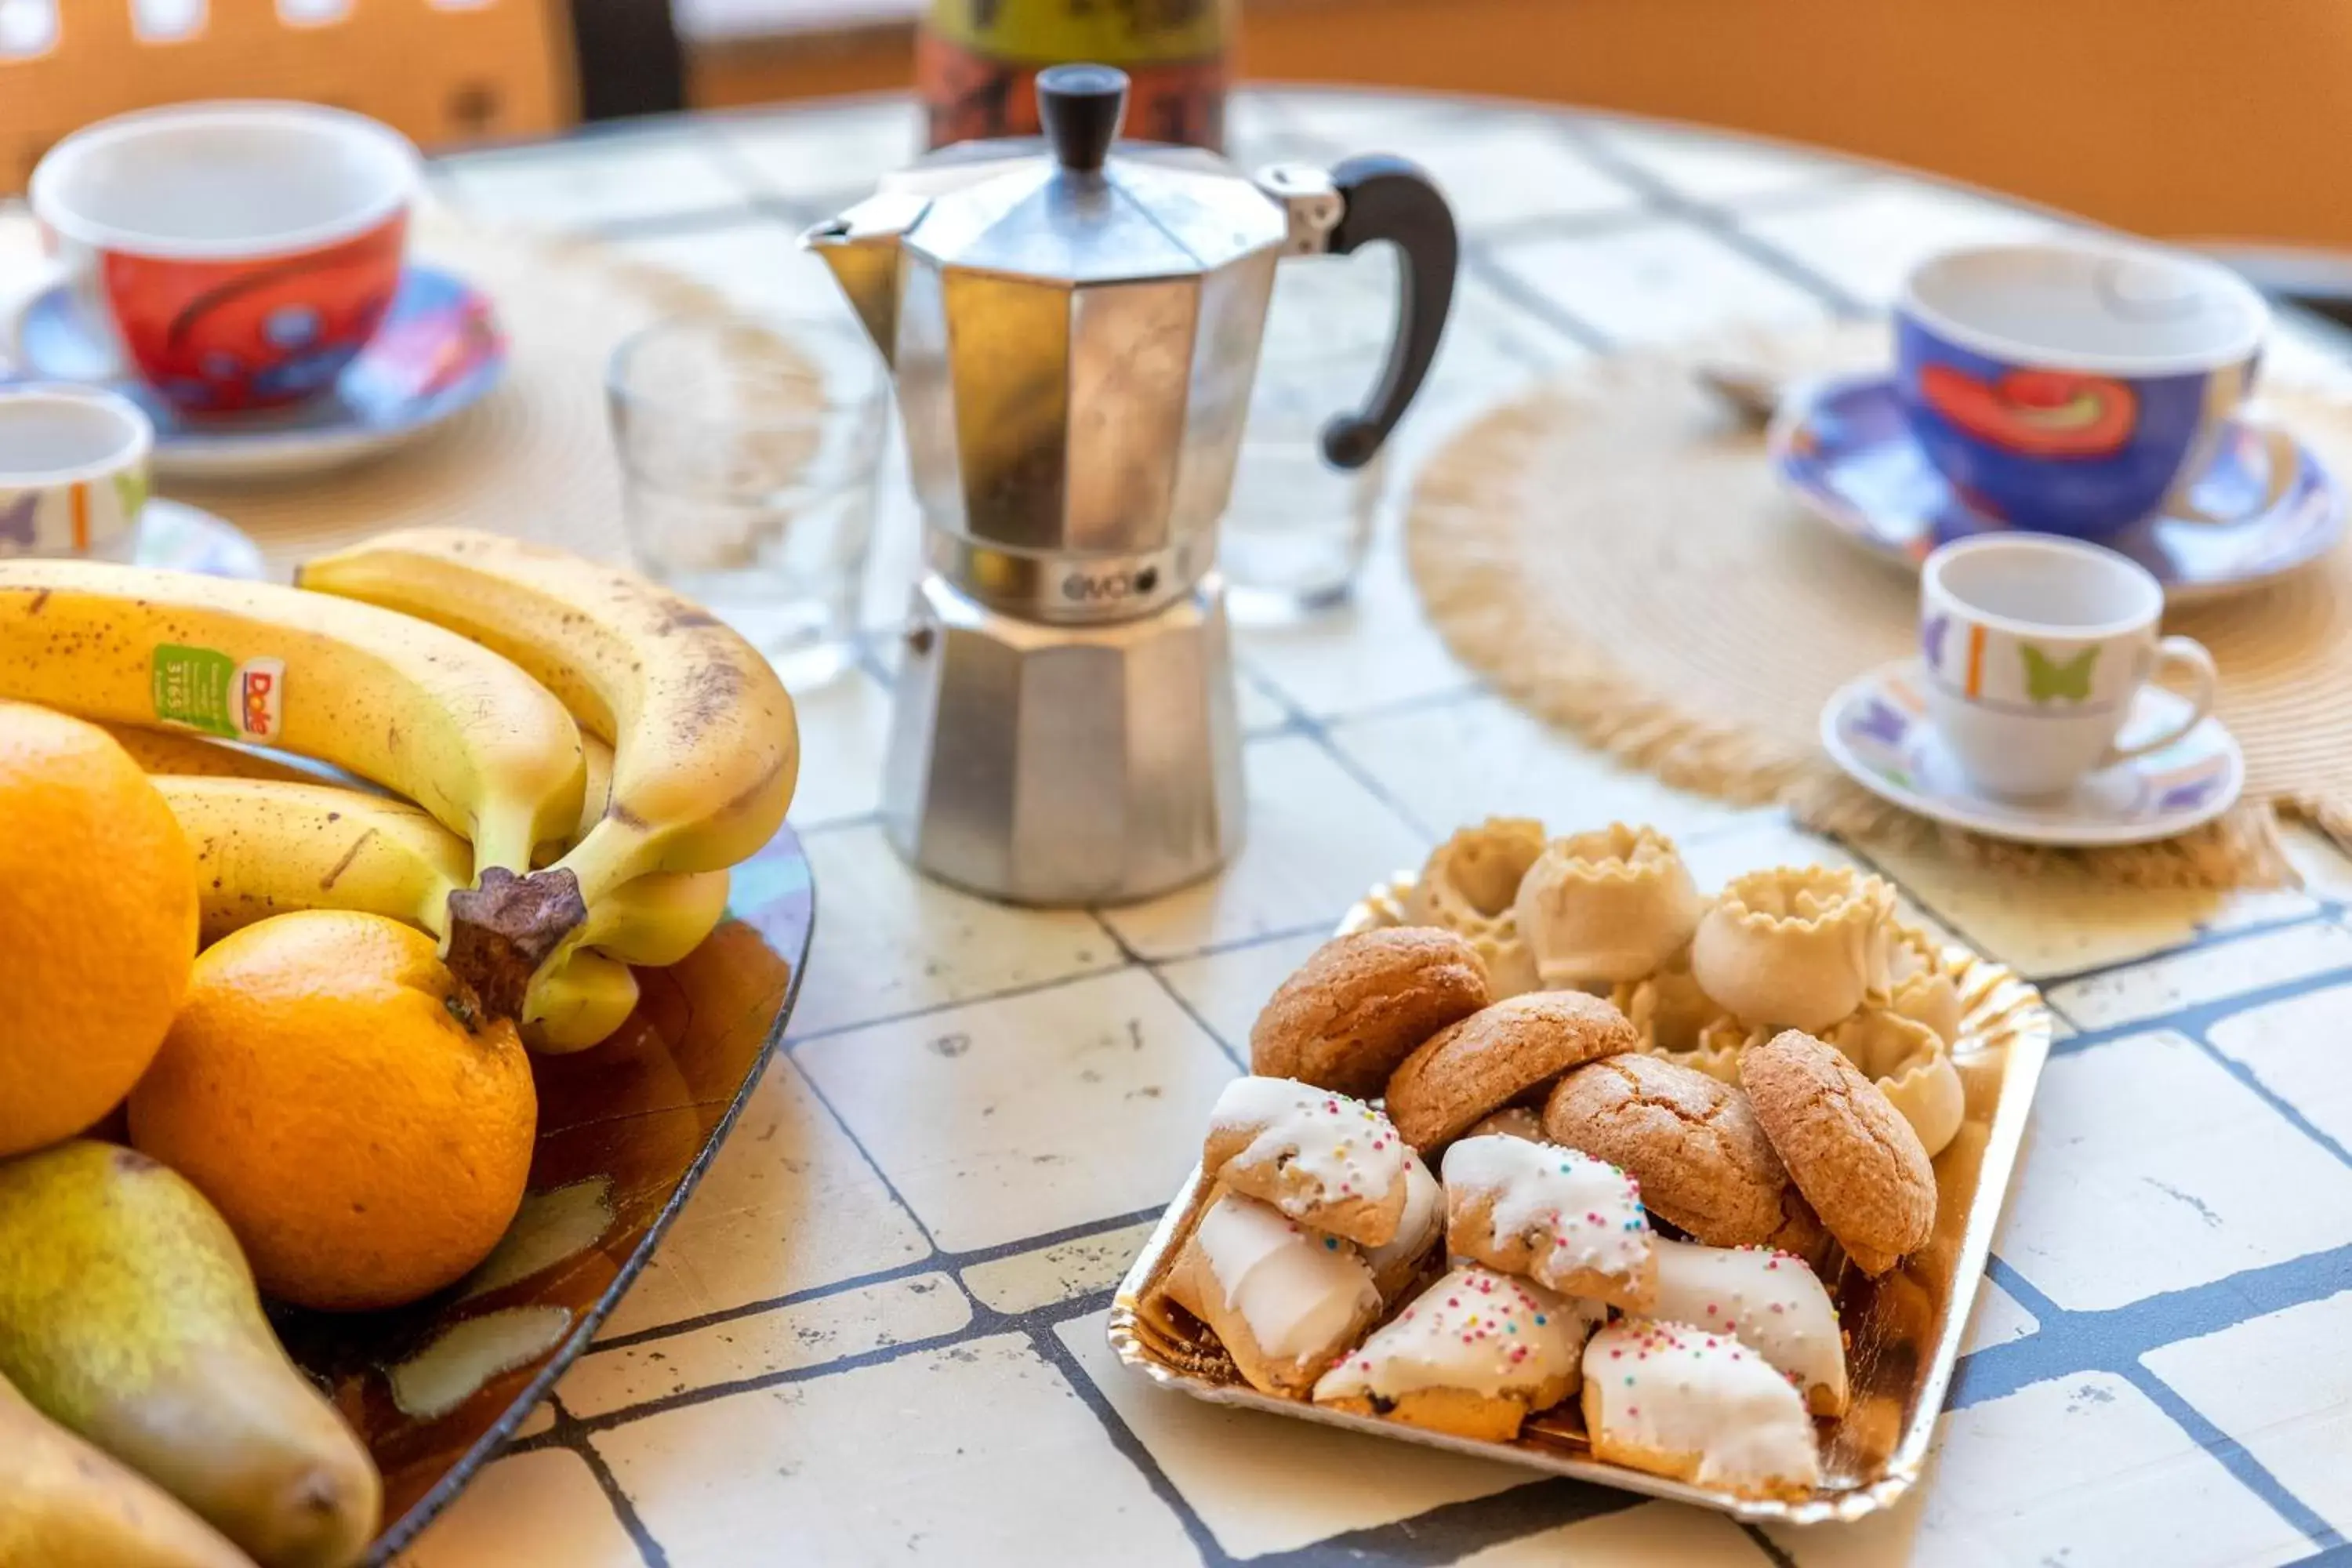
[[1468, 887], [1330, 1162], [1475, 1355], [1795, 947], [1397, 1262], [1497, 1055], [1675, 1400], [1607, 907], [1768, 1300], [1564, 1219], [1704, 1165], [1359, 1005], [1849, 1151], [1282, 1300]]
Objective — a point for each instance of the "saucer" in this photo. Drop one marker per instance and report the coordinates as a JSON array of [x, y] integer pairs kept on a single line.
[[438, 352], [1840, 445], [1877, 729], [183, 538]]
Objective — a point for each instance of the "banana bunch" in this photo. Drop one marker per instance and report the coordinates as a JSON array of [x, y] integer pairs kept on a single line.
[[538, 709]]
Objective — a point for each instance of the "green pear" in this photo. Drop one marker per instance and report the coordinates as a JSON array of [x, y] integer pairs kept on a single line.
[[128, 1315], [63, 1504]]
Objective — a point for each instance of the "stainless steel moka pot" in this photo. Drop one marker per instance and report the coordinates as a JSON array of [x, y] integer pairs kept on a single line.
[[1074, 328]]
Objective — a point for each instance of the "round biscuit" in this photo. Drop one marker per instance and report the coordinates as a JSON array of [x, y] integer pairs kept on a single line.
[[1359, 1005]]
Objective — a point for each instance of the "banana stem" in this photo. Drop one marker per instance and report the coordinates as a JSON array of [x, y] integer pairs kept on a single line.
[[502, 931]]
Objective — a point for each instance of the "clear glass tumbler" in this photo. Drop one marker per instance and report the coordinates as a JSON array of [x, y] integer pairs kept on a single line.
[[750, 460]]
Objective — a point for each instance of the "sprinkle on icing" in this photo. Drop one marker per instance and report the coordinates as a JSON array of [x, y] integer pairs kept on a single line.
[[1343, 1147], [1474, 1330], [1587, 1211], [1676, 1389], [1769, 1300], [1301, 1293], [1424, 1216]]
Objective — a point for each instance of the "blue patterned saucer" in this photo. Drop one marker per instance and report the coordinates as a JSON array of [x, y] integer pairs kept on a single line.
[[1877, 729], [1842, 447]]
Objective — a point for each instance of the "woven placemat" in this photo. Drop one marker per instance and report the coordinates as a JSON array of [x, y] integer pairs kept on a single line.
[[533, 458], [1612, 552]]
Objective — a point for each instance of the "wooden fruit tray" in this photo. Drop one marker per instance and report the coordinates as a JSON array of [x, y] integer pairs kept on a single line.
[[625, 1130], [1903, 1331]]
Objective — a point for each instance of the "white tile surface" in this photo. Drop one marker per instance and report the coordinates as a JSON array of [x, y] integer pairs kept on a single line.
[[1998, 1318], [2149, 1168], [1220, 1459], [1029, 1114], [2083, 1471], [1459, 763], [1716, 167], [846, 1323], [1229, 989], [2282, 1385], [1865, 240], [788, 1205], [2167, 985], [546, 1505], [828, 152], [1506, 169], [845, 728], [1375, 648], [595, 181], [890, 941], [971, 1434], [1655, 282], [1647, 1535], [1317, 838], [2298, 1049], [1063, 1273]]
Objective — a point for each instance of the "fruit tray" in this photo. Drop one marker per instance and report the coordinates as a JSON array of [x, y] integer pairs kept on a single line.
[[1905, 1330], [625, 1133]]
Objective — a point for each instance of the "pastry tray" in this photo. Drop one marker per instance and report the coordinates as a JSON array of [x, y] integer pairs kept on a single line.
[[1904, 1331]]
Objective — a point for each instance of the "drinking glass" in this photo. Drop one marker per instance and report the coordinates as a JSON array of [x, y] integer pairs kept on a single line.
[[749, 460]]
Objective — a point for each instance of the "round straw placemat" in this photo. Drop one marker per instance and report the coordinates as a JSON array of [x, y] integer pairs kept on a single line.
[[533, 458], [1614, 553]]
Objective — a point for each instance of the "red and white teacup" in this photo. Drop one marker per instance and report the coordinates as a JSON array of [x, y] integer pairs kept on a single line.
[[238, 254]]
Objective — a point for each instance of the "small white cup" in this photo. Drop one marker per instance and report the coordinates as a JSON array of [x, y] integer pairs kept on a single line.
[[73, 471], [2034, 648]]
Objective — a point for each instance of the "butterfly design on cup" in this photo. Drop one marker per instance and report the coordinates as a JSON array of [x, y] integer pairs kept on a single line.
[[16, 521], [2048, 679]]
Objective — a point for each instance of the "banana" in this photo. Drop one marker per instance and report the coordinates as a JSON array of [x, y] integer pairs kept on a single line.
[[705, 751], [176, 752], [429, 715], [267, 845]]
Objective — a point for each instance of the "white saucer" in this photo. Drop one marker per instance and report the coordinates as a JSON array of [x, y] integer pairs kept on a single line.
[[183, 538], [1877, 729]]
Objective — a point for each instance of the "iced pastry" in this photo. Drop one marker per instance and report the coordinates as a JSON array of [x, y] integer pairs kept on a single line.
[[1795, 947], [1848, 1149], [1475, 1355], [1908, 1062], [1397, 1262], [1468, 887], [1503, 1054], [1769, 1300], [1328, 1161], [1704, 1164], [1607, 907], [1283, 1300], [1675, 1400], [1359, 1005], [1559, 1216]]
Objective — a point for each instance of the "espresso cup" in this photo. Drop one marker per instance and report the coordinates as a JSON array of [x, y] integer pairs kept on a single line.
[[73, 471], [235, 256], [2034, 648], [2076, 387]]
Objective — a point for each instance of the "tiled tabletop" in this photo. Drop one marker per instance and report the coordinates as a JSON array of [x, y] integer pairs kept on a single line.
[[875, 1336]]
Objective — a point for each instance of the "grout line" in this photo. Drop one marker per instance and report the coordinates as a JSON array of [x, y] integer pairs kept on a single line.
[[792, 1042], [575, 1439], [1773, 1551], [816, 1090], [2233, 1457], [2196, 1018]]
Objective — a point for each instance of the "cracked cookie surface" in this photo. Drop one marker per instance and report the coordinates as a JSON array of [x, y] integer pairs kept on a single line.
[[1360, 1006], [1845, 1145], [1695, 1145]]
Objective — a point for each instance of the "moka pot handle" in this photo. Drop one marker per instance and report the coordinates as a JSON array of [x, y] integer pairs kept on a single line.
[[1387, 198]]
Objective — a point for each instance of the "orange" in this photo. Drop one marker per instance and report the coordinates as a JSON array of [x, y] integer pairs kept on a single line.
[[98, 924], [342, 1100]]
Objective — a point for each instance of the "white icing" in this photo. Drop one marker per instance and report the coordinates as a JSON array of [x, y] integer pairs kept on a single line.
[[1769, 1300], [1299, 1292], [1343, 1147], [1511, 1121], [1474, 1330], [1677, 1389], [1590, 1210], [1424, 1216]]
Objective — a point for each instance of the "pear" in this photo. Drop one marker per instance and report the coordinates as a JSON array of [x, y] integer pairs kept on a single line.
[[128, 1316], [63, 1504]]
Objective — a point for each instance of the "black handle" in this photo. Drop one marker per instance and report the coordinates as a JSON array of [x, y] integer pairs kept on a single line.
[[1388, 198], [1080, 107]]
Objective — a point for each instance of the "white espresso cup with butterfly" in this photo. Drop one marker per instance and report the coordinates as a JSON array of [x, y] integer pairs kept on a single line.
[[2035, 647]]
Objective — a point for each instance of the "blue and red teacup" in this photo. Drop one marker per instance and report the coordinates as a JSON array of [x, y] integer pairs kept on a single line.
[[2077, 386], [237, 256]]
